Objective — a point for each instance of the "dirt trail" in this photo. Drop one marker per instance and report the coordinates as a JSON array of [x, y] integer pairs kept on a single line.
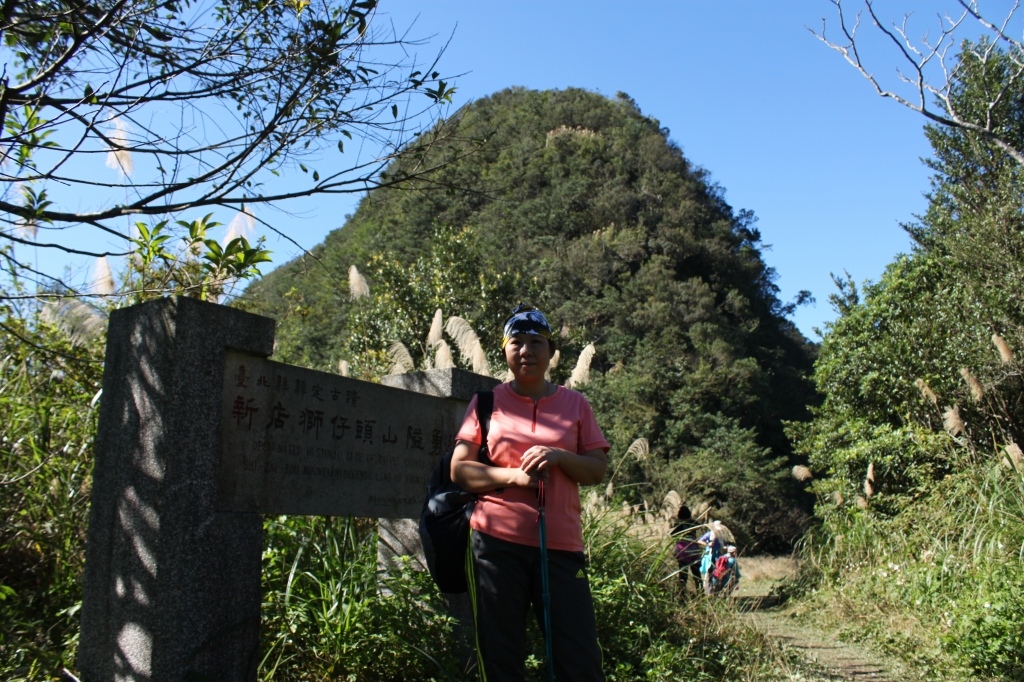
[[828, 658]]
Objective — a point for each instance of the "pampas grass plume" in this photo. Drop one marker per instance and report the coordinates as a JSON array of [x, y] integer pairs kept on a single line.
[[80, 321], [977, 392], [640, 448], [119, 157], [802, 473], [103, 280], [952, 422], [837, 498], [1005, 354], [554, 363], [357, 286], [581, 373], [243, 224], [1014, 456], [462, 333], [470, 348], [231, 235], [479, 359], [402, 361], [861, 502], [671, 504], [721, 531], [436, 334], [443, 357], [927, 392]]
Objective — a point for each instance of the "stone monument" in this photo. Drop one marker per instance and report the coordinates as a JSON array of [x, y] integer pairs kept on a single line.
[[199, 434]]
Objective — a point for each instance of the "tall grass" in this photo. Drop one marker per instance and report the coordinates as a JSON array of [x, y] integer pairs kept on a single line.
[[326, 616], [47, 421], [941, 583]]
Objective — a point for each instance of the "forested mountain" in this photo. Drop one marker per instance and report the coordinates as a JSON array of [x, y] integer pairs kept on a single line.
[[580, 204]]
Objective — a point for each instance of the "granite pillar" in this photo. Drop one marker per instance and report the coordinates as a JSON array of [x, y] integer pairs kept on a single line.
[[171, 590]]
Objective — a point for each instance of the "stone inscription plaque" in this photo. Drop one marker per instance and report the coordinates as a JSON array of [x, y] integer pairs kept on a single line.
[[298, 441]]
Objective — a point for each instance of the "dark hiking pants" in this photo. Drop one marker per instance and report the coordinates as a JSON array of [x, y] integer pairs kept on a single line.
[[504, 581]]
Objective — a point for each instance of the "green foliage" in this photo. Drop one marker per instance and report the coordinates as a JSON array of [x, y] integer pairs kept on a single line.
[[646, 628], [449, 275], [48, 392], [745, 486], [326, 616], [935, 583], [990, 640], [920, 498], [582, 206], [193, 105], [201, 268]]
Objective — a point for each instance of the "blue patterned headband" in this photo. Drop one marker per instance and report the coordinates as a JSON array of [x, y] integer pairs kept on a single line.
[[526, 319]]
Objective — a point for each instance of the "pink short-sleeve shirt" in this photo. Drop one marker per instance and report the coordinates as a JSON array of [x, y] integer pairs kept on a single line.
[[563, 420]]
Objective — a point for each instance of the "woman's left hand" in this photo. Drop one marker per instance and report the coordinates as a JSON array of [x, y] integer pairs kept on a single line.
[[539, 459]]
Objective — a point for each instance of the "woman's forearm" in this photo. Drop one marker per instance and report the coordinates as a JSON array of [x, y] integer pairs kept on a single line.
[[475, 477], [586, 469]]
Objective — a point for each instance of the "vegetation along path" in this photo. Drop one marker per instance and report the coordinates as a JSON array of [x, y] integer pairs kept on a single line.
[[826, 656]]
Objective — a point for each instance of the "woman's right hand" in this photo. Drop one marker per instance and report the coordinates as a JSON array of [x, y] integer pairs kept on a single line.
[[475, 477], [524, 480]]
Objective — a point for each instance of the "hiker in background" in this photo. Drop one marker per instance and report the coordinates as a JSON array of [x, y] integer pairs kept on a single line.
[[712, 543], [726, 576], [538, 430], [687, 549]]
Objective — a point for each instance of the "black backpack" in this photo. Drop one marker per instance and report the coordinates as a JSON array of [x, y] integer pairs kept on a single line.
[[444, 521]]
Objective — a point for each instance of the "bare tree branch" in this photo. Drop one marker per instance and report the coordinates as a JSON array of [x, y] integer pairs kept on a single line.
[[202, 105], [937, 53]]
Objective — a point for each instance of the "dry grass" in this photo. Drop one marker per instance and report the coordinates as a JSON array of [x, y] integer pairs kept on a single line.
[[927, 392], [1005, 354], [768, 568], [802, 473], [952, 422], [357, 285], [977, 392], [436, 332], [581, 373]]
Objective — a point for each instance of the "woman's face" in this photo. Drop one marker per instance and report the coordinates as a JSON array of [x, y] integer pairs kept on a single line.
[[528, 356]]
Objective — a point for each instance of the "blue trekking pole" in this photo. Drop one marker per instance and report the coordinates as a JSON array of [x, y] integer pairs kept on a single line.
[[545, 589]]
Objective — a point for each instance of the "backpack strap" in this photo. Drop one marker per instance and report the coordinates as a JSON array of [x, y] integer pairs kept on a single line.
[[484, 410]]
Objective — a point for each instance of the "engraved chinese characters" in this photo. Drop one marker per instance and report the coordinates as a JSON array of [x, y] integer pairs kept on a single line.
[[297, 441]]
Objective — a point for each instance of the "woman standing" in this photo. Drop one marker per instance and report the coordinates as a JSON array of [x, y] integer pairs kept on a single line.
[[538, 431], [687, 550]]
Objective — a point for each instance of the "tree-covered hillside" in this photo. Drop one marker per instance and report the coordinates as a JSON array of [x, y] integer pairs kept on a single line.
[[581, 205]]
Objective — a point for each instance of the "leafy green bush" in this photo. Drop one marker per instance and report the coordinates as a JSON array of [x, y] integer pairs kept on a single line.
[[990, 636], [938, 583], [648, 630]]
